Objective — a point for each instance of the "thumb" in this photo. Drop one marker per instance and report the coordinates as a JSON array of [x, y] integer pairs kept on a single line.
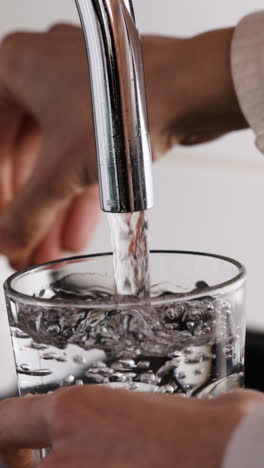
[[31, 214]]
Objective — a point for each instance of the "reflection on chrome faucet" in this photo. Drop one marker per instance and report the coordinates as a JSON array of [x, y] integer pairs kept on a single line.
[[119, 104]]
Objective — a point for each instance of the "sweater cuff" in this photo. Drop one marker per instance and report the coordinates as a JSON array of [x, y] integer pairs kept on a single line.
[[247, 62], [246, 447]]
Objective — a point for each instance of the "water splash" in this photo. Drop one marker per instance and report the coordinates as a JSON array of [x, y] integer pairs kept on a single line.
[[129, 232]]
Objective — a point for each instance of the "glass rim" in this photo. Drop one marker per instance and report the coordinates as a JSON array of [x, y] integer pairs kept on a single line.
[[12, 293]]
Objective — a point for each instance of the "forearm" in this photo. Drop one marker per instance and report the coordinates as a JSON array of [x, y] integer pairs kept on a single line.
[[190, 91]]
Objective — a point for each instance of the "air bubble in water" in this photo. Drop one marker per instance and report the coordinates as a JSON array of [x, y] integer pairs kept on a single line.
[[67, 381], [168, 388], [79, 359], [96, 378], [116, 335], [94, 370], [61, 359], [181, 375], [99, 364], [106, 371], [118, 377], [149, 378], [20, 334], [25, 369], [49, 356], [123, 365], [160, 390], [130, 375], [79, 382], [134, 386], [175, 354], [143, 365], [194, 360], [37, 346], [168, 366], [53, 330], [127, 363]]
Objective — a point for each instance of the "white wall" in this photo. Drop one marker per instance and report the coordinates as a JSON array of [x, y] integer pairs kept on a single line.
[[208, 198]]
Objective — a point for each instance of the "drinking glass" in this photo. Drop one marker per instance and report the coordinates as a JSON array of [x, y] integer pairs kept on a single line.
[[69, 328]]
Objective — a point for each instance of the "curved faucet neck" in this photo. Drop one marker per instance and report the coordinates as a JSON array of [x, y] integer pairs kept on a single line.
[[119, 104]]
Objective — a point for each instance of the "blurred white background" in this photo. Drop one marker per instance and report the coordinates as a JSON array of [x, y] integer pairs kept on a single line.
[[208, 198]]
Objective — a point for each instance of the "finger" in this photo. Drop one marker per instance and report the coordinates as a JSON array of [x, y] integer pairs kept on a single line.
[[72, 230], [26, 151], [30, 216], [51, 248], [10, 118], [81, 220], [24, 423], [6, 187]]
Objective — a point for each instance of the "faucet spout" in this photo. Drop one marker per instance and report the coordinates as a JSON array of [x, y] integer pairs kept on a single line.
[[119, 104]]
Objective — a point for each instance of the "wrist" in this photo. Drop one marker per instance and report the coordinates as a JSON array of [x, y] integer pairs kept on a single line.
[[212, 107], [162, 57], [190, 91]]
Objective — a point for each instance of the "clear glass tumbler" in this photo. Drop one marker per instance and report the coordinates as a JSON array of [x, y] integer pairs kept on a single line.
[[69, 328]]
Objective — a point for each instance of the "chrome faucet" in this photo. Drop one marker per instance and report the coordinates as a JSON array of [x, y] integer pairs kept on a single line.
[[119, 104]]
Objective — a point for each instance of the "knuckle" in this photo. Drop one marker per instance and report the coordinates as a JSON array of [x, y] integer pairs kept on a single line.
[[57, 415], [14, 50], [60, 28], [10, 41], [63, 408], [70, 407]]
